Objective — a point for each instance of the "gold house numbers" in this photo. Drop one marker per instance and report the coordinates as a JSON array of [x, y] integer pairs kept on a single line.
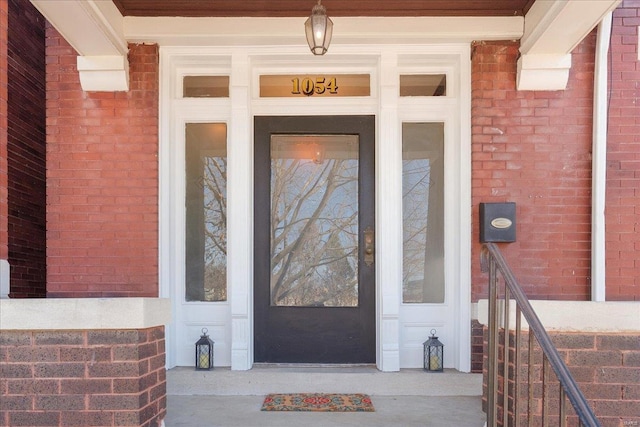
[[287, 86], [308, 86]]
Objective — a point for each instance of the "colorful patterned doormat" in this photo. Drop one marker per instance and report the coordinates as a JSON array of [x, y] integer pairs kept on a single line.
[[318, 402]]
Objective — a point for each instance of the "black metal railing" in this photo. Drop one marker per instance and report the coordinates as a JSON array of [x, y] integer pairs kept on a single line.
[[540, 389]]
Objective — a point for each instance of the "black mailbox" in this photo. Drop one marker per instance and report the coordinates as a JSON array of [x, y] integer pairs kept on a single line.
[[497, 222]]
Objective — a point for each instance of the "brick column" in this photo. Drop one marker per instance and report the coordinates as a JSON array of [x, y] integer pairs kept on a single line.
[[26, 151], [4, 207]]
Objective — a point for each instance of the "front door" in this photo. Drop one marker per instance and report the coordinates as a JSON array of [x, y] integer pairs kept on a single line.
[[314, 280]]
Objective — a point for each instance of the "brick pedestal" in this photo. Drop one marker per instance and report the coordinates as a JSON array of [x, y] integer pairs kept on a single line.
[[83, 362], [606, 367], [83, 378]]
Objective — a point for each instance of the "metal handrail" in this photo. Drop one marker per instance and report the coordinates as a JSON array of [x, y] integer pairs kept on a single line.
[[493, 261]]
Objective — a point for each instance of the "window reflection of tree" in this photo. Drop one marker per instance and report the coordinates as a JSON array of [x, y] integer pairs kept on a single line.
[[215, 208], [415, 203], [423, 212], [314, 232], [205, 212]]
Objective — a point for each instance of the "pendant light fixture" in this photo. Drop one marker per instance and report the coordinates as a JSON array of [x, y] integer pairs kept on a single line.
[[319, 29]]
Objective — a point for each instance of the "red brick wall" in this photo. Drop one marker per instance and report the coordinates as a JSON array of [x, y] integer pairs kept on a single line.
[[605, 366], [623, 157], [534, 148], [4, 208], [82, 378], [102, 201], [477, 349], [26, 150]]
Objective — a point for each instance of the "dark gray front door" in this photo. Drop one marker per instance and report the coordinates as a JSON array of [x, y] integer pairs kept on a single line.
[[314, 282]]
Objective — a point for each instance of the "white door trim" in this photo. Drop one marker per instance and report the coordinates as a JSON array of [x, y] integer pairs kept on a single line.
[[244, 64]]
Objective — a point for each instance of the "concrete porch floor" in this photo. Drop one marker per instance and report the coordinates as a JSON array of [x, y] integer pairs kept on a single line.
[[407, 398]]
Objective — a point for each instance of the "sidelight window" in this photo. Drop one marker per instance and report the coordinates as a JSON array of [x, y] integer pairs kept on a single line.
[[206, 212], [423, 212]]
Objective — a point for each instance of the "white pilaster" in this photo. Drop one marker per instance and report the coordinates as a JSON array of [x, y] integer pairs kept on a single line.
[[389, 215], [240, 215]]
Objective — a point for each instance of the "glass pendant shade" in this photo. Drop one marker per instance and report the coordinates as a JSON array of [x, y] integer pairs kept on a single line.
[[319, 29]]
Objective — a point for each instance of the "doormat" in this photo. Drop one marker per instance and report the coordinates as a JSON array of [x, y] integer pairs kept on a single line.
[[318, 402]]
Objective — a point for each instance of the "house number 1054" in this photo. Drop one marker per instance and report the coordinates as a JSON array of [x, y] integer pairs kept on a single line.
[[319, 85]]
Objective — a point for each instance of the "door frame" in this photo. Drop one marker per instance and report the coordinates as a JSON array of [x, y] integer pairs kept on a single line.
[[384, 63]]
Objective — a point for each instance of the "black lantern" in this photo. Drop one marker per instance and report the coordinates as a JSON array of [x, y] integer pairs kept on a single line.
[[433, 354], [204, 352]]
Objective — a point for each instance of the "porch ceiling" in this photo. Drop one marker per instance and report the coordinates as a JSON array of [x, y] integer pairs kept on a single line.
[[299, 8]]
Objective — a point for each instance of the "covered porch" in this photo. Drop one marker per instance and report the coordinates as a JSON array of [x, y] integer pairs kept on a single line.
[[115, 337]]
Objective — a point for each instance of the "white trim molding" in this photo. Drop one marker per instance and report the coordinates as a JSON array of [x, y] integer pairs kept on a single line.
[[83, 313], [103, 73], [240, 213], [552, 29], [5, 279], [244, 65], [599, 162], [543, 71], [248, 31], [548, 34], [95, 30], [570, 316]]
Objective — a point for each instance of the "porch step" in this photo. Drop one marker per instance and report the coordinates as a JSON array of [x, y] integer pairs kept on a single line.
[[299, 379]]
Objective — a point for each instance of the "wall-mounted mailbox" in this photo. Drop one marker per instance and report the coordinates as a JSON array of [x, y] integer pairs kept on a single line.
[[497, 222]]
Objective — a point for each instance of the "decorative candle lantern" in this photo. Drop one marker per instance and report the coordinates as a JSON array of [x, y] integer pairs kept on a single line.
[[433, 354], [204, 352]]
